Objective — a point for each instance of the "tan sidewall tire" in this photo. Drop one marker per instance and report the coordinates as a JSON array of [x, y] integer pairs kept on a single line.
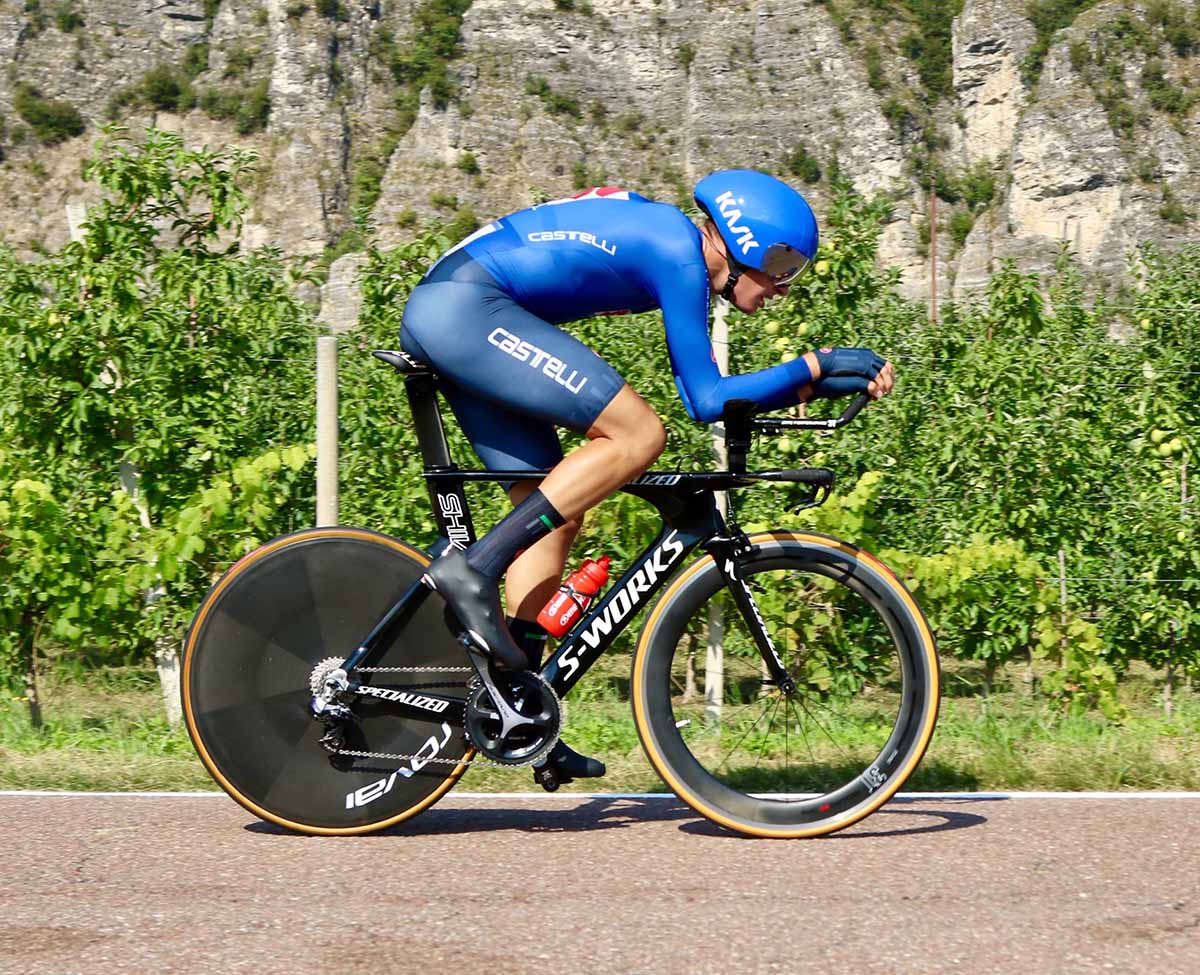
[[229, 579], [881, 575]]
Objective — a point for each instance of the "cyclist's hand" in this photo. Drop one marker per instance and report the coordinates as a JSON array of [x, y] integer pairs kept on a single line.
[[845, 372]]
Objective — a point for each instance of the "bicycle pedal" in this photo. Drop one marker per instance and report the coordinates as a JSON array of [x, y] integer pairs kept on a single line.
[[545, 777]]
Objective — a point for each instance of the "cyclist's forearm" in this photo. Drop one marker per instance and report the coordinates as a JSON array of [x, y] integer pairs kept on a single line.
[[771, 389]]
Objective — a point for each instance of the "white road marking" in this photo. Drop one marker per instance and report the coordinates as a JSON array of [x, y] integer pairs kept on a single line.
[[905, 796]]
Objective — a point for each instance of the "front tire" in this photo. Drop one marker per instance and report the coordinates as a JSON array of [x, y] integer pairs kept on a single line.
[[749, 757]]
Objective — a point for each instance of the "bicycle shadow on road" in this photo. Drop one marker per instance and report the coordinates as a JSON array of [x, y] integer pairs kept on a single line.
[[527, 816], [886, 823], [594, 813], [625, 812]]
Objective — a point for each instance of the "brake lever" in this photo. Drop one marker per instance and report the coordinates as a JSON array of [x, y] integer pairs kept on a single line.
[[817, 496]]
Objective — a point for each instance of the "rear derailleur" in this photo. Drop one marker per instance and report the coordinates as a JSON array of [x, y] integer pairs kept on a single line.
[[331, 690]]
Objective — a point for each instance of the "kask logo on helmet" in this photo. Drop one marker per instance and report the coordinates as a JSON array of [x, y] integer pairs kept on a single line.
[[729, 210]]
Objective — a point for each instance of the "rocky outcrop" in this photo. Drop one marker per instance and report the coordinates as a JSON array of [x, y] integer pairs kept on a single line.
[[991, 39], [1071, 177], [630, 109], [649, 93]]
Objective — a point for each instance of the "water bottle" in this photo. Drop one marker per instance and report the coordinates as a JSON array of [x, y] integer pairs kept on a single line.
[[567, 605]]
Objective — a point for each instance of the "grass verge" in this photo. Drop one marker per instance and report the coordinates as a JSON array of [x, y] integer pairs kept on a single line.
[[107, 733]]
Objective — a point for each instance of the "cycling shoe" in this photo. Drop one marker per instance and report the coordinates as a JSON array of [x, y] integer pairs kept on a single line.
[[569, 765], [475, 600]]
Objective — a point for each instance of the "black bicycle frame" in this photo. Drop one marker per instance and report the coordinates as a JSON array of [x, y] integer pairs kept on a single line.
[[685, 500]]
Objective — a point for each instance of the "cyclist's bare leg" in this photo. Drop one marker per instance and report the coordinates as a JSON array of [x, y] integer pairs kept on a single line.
[[532, 579], [625, 439]]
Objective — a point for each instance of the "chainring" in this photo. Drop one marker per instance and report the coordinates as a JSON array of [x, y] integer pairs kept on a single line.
[[531, 696]]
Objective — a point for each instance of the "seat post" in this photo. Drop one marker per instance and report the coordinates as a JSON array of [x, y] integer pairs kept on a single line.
[[447, 496], [427, 420]]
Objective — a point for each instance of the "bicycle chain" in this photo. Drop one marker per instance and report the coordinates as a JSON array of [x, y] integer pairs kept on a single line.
[[381, 670], [413, 670], [394, 757], [469, 763]]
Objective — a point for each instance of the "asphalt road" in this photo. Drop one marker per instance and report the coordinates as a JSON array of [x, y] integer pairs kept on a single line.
[[601, 885]]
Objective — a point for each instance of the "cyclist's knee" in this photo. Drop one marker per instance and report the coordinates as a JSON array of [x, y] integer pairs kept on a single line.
[[651, 441], [632, 425], [640, 446]]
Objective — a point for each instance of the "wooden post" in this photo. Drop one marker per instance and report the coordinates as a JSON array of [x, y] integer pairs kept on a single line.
[[327, 431], [932, 249], [1183, 487], [1169, 690], [28, 645], [689, 680], [714, 659], [1062, 604]]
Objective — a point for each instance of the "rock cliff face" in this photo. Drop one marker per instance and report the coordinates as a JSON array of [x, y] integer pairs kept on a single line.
[[548, 95], [1073, 179]]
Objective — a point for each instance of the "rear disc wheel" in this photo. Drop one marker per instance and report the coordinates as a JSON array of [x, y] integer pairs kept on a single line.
[[251, 652]]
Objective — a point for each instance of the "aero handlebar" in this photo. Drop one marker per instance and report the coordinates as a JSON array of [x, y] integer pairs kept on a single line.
[[777, 425], [740, 424]]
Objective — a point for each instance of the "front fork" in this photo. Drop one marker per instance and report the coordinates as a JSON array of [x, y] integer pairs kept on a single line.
[[730, 551]]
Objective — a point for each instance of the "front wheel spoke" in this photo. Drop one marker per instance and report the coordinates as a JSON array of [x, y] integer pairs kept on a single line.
[[732, 715], [745, 735], [803, 734], [767, 737], [787, 756], [824, 730]]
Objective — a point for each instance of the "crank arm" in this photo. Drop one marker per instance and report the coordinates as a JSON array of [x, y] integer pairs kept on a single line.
[[510, 718]]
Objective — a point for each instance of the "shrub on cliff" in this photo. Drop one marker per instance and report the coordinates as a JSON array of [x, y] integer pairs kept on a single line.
[[52, 121]]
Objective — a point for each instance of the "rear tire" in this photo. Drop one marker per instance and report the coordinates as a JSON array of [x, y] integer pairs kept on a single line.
[[246, 665], [768, 764]]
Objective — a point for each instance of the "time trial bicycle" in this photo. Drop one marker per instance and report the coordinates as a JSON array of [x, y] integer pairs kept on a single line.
[[784, 684]]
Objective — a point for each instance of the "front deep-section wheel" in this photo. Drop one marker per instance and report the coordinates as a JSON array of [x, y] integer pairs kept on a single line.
[[251, 654], [787, 762]]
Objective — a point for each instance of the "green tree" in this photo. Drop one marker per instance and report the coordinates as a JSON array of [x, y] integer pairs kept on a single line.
[[154, 354]]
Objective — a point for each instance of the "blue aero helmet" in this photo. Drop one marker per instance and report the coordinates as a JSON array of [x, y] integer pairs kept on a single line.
[[766, 225]]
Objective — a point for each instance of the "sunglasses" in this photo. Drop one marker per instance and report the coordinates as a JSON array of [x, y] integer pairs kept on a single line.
[[780, 263]]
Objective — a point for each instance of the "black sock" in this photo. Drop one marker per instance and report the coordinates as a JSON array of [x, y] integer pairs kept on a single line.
[[530, 637], [532, 519]]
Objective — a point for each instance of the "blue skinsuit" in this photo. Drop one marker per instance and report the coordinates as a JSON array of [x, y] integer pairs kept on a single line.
[[485, 315]]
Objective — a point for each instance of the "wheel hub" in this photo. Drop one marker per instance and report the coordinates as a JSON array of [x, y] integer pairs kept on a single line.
[[318, 680]]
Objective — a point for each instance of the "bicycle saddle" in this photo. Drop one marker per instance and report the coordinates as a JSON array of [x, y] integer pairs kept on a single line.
[[402, 362]]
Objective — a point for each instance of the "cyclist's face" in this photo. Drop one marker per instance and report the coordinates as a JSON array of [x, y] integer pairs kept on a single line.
[[753, 289]]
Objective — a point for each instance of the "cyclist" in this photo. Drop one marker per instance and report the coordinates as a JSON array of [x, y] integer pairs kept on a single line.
[[485, 318]]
